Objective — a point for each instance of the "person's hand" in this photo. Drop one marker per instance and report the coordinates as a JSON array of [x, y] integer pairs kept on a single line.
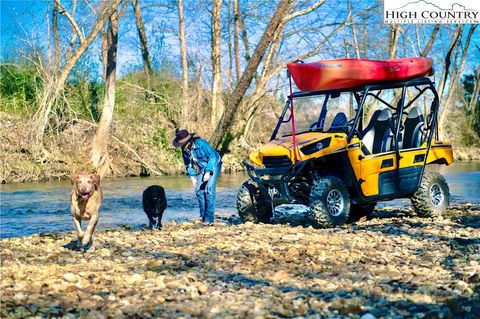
[[206, 176], [194, 181]]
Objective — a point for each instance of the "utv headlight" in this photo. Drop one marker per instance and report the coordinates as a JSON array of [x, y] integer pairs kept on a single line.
[[317, 146]]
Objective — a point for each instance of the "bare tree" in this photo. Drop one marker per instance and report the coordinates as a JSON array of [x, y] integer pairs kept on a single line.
[[431, 40], [453, 85], [474, 103], [56, 37], [183, 47], [272, 65], [243, 35], [142, 36], [394, 35], [100, 140], [237, 95], [217, 103], [448, 58], [475, 93], [56, 83], [354, 33], [236, 28]]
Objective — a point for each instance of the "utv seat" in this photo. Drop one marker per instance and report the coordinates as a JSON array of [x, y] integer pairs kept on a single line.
[[376, 134], [339, 123], [413, 134]]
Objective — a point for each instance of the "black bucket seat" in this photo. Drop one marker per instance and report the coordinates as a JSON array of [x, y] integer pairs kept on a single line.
[[376, 135], [413, 133]]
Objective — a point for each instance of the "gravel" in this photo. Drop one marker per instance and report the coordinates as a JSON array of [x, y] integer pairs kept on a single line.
[[393, 266]]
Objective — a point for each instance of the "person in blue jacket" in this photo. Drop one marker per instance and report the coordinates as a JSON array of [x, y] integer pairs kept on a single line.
[[198, 153]]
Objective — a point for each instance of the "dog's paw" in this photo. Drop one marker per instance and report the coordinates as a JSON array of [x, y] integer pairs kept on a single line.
[[89, 249]]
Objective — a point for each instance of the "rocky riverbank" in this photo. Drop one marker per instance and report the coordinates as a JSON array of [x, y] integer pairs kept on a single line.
[[393, 266]]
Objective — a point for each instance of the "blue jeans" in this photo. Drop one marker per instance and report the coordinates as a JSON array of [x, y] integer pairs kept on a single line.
[[206, 194]]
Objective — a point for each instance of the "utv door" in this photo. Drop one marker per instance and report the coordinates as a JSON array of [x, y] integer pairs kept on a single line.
[[395, 143]]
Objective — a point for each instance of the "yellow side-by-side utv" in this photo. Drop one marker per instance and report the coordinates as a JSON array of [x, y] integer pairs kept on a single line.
[[340, 151]]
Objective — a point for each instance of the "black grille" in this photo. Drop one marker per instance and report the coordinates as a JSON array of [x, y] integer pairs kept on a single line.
[[276, 161]]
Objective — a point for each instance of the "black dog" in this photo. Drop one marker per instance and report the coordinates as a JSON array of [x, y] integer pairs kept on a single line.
[[154, 204]]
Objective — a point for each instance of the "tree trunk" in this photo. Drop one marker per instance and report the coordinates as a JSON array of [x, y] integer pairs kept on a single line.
[[354, 33], [56, 37], [474, 105], [475, 93], [442, 125], [236, 28], [448, 59], [183, 47], [230, 47], [429, 45], [393, 40], [100, 140], [56, 84], [244, 36], [142, 35], [236, 97], [217, 103]]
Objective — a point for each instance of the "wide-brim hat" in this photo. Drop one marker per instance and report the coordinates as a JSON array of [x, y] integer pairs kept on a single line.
[[181, 138]]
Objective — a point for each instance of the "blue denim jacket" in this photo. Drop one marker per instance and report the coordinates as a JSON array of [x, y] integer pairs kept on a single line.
[[202, 155]]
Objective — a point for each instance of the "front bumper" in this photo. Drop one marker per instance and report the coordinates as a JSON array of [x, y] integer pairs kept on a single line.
[[274, 181]]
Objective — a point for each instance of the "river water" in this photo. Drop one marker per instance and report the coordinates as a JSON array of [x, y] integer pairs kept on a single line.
[[32, 208]]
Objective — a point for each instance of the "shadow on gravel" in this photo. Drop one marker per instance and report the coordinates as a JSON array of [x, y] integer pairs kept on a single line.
[[347, 302]]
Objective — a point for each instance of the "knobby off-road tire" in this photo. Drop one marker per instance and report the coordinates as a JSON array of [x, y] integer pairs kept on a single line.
[[329, 202], [358, 211], [432, 197], [250, 206]]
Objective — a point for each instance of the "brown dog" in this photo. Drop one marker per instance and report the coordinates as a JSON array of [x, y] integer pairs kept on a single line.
[[86, 200]]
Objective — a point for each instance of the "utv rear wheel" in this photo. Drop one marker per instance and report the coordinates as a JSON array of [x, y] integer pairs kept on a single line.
[[358, 211], [432, 197], [329, 202], [250, 206]]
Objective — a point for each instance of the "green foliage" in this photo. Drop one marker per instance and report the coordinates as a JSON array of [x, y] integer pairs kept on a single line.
[[161, 95], [19, 87], [160, 137], [178, 154], [468, 82], [472, 115]]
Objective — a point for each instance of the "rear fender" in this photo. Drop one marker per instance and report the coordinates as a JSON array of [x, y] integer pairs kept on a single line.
[[440, 153]]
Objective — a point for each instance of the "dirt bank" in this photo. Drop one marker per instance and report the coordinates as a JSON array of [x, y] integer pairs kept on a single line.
[[390, 267], [139, 147], [136, 149]]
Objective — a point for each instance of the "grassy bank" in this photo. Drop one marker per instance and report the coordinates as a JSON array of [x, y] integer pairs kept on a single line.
[[140, 146], [393, 266]]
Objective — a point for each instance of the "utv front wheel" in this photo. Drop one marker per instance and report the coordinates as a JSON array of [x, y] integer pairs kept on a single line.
[[432, 197], [329, 202], [250, 206]]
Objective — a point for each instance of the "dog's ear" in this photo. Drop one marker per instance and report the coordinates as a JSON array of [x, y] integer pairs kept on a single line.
[[74, 178], [96, 178]]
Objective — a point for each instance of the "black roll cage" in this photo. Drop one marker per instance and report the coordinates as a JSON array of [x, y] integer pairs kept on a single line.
[[361, 93]]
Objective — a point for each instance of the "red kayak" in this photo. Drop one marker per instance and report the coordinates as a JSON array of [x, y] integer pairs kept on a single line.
[[350, 73]]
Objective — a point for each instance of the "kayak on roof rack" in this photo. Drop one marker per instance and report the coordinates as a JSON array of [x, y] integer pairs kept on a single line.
[[350, 73]]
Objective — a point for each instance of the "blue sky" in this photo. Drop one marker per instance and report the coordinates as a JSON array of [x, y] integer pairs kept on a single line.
[[22, 20]]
